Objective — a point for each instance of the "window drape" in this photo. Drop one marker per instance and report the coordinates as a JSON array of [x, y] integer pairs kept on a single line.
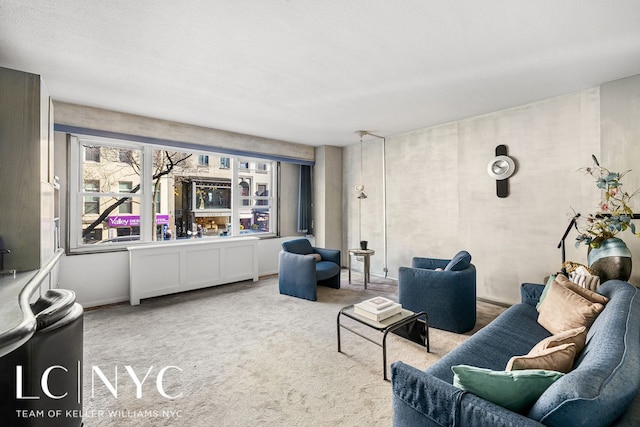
[[305, 223]]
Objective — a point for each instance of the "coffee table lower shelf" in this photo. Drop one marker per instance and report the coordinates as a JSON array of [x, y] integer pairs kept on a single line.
[[406, 324]]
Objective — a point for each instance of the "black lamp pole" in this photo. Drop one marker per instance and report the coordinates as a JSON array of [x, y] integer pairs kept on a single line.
[[564, 236]]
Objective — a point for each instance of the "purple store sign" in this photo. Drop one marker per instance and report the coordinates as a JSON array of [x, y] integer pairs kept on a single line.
[[134, 220]]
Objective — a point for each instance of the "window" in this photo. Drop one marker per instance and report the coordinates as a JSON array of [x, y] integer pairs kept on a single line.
[[244, 190], [91, 203], [125, 156], [141, 192], [109, 192], [262, 194], [125, 187], [92, 154], [158, 201]]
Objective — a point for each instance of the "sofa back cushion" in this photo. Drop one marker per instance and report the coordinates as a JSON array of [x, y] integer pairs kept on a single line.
[[605, 377], [298, 246]]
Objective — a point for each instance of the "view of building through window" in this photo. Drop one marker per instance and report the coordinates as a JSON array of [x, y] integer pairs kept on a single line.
[[193, 195]]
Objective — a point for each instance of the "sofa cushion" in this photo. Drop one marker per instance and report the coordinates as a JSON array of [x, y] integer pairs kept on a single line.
[[514, 390], [563, 309], [460, 261], [559, 358], [577, 336], [514, 332]]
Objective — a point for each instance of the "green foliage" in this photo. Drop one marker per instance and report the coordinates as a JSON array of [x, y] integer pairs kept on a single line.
[[614, 213]]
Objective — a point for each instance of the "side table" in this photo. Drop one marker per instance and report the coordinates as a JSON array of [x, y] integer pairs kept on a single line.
[[366, 254], [399, 324]]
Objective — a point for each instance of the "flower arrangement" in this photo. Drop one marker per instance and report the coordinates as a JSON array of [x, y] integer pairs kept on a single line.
[[615, 214]]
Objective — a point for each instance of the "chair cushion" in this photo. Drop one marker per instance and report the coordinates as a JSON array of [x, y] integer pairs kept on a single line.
[[459, 262], [298, 246], [326, 270]]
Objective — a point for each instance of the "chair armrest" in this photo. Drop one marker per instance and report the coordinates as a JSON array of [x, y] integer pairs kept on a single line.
[[290, 260], [421, 399], [530, 293], [297, 275], [332, 255], [429, 263]]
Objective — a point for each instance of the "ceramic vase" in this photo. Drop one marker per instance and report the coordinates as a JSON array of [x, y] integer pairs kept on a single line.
[[611, 260]]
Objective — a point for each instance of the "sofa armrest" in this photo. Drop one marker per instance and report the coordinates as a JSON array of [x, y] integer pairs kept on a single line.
[[530, 293], [420, 399], [332, 255]]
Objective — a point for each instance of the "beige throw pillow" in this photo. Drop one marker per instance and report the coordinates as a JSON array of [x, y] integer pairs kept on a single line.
[[577, 336], [559, 359], [586, 293], [564, 309]]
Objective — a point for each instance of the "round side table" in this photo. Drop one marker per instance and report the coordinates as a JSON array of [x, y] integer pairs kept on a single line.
[[366, 254]]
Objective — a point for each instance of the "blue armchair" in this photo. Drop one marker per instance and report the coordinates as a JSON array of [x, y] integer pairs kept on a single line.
[[303, 267], [447, 294]]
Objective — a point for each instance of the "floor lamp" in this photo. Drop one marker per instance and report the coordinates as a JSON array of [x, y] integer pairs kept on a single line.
[[361, 194]]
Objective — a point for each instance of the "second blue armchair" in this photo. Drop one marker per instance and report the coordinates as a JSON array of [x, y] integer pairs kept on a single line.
[[445, 289]]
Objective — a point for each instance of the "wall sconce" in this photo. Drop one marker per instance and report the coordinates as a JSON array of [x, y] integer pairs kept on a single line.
[[361, 193]]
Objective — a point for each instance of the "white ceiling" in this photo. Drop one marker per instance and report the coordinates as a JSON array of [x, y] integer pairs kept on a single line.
[[316, 71]]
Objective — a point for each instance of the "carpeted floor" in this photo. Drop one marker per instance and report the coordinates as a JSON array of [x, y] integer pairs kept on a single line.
[[244, 355]]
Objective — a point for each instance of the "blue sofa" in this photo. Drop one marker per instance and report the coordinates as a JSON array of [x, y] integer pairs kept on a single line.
[[597, 392]]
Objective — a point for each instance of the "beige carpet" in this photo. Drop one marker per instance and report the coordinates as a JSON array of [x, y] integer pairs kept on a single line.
[[249, 357]]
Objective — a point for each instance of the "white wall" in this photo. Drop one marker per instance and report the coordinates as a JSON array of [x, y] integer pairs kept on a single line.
[[440, 198]]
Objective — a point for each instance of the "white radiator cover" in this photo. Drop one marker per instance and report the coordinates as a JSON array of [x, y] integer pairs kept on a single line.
[[166, 268]]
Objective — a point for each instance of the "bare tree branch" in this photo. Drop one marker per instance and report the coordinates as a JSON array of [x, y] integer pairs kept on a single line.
[[168, 167]]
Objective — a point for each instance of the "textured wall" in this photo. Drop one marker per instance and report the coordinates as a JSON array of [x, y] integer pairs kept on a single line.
[[440, 199], [620, 112], [131, 124], [327, 197]]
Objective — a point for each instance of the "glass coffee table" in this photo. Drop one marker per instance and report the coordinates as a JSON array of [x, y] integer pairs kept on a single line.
[[405, 324]]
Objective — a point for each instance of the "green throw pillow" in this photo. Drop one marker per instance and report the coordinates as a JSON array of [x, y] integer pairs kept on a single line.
[[545, 290], [514, 390]]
